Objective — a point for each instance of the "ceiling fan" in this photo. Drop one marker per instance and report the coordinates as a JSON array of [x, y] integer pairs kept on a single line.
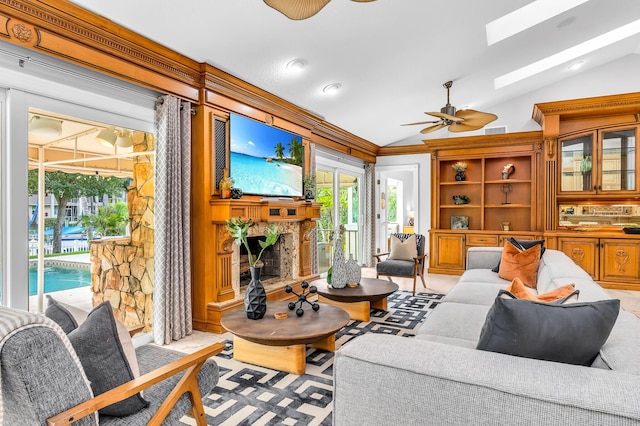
[[458, 121], [300, 9]]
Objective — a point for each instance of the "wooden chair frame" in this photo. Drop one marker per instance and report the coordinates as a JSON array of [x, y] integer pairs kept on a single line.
[[188, 383]]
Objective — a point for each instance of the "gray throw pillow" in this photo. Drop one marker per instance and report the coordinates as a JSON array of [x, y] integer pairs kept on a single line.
[[98, 347], [61, 315], [568, 333]]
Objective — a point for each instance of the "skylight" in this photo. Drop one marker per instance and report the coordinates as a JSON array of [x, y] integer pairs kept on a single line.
[[527, 17], [569, 54]]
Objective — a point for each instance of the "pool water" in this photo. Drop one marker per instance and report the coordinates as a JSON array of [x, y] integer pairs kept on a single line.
[[58, 278]]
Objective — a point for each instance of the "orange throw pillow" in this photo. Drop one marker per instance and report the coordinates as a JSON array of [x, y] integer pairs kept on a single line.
[[523, 264], [518, 289]]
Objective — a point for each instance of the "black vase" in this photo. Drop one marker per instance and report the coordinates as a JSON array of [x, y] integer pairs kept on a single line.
[[255, 298], [460, 176]]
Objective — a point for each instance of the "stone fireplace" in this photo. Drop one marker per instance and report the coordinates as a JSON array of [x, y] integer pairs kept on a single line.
[[270, 260], [280, 260]]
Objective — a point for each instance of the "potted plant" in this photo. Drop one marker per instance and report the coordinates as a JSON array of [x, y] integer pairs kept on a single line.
[[309, 182], [255, 299], [459, 167]]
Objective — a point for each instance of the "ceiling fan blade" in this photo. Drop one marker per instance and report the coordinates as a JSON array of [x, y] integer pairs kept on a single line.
[[475, 118], [297, 9], [432, 128], [445, 116], [463, 127], [421, 122]]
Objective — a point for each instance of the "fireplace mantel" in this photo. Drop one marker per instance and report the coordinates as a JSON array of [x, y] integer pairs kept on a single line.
[[264, 210], [219, 294]]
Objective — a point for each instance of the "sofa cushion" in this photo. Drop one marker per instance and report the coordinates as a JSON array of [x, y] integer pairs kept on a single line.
[[523, 245], [520, 291], [403, 250], [572, 333], [476, 293], [396, 267], [620, 352], [518, 263], [455, 320], [69, 317], [98, 347]]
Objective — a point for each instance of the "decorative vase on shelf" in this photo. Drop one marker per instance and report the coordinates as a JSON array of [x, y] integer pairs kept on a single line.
[[255, 298], [353, 271], [460, 176], [339, 267], [225, 184]]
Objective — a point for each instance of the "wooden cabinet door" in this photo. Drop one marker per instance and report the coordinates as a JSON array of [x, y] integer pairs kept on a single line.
[[583, 251], [620, 261], [449, 252]]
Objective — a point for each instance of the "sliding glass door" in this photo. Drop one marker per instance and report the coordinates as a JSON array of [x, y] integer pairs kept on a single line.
[[339, 192]]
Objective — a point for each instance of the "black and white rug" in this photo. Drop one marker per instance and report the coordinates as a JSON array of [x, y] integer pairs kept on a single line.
[[252, 395]]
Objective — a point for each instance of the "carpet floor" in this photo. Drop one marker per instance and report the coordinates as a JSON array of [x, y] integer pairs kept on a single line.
[[252, 395]]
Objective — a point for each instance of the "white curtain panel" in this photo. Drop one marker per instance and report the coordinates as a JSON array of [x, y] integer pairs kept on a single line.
[[172, 283], [369, 214]]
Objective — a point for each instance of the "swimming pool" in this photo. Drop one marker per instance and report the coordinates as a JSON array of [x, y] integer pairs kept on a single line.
[[58, 278]]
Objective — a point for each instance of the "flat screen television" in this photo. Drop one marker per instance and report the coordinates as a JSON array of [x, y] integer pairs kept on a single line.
[[265, 160]]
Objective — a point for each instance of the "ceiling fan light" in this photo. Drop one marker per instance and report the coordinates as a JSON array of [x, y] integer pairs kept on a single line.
[[45, 126], [107, 137], [331, 89]]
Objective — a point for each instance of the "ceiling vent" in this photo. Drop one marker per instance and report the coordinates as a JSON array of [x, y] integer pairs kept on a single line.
[[495, 130]]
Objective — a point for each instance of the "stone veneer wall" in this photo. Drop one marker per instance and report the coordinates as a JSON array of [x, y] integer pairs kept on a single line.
[[122, 267]]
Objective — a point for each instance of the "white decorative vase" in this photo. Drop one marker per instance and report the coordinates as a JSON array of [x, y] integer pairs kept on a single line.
[[353, 271], [339, 268]]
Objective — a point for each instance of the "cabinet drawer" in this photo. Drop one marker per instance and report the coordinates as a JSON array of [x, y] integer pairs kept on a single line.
[[482, 240]]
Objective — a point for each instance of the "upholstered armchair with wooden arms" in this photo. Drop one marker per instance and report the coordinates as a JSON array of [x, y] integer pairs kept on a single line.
[[406, 258], [45, 380]]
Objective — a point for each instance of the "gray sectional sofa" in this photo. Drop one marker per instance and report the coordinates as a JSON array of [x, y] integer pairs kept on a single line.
[[440, 378]]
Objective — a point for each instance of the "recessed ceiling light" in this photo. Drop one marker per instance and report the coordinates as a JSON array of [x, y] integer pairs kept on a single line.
[[569, 54], [527, 17], [331, 89], [296, 66], [576, 65]]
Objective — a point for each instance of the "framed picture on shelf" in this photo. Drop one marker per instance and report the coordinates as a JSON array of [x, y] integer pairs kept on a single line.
[[459, 222]]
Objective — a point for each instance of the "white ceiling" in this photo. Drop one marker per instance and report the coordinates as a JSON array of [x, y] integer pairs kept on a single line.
[[391, 57]]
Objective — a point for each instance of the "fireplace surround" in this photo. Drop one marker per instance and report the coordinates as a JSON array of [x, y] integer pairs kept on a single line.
[[220, 291]]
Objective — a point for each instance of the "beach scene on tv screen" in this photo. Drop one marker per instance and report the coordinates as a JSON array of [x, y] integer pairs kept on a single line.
[[265, 160]]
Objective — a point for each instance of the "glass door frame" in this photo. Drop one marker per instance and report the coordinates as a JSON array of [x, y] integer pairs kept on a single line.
[[338, 168]]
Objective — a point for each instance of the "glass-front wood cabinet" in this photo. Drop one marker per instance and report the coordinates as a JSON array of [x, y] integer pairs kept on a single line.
[[599, 162]]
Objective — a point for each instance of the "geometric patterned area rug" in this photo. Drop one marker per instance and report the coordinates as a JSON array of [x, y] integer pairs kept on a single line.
[[250, 395]]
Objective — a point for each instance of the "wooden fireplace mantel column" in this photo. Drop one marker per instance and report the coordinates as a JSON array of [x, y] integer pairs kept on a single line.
[[220, 289]]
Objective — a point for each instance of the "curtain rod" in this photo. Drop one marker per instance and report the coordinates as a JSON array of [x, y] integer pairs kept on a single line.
[[24, 60], [160, 100]]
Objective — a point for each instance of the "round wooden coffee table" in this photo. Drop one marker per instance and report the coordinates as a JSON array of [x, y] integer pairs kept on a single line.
[[281, 344], [357, 301]]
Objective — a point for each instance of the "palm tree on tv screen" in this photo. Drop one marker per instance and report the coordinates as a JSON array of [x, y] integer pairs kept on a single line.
[[279, 150]]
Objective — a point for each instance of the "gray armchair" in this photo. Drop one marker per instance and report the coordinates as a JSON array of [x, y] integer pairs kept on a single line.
[[43, 381], [404, 268]]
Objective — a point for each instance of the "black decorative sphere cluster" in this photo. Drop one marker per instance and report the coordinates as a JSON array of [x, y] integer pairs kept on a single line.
[[302, 297]]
